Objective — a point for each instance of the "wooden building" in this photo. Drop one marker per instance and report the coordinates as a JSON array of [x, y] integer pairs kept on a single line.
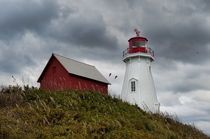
[[63, 73]]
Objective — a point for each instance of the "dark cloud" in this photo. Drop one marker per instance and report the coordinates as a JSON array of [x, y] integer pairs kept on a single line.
[[182, 78], [82, 31], [177, 30], [13, 63], [186, 42], [178, 33], [16, 17], [188, 85]]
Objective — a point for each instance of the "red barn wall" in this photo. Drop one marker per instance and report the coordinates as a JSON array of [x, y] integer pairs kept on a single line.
[[55, 77]]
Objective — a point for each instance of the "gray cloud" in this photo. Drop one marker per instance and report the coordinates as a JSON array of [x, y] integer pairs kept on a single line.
[[186, 42], [178, 33], [181, 77], [12, 61], [16, 17], [177, 30], [82, 31], [15, 65]]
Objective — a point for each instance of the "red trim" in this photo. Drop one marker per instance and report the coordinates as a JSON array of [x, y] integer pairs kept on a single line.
[[138, 38], [137, 49]]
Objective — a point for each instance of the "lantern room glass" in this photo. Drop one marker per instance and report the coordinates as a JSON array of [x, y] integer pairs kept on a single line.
[[138, 44]]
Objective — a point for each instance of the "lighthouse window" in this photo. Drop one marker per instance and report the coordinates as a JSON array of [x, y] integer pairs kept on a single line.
[[138, 44], [133, 86], [141, 43], [135, 44]]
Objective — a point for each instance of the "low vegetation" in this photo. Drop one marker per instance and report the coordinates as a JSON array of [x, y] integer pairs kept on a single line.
[[33, 113]]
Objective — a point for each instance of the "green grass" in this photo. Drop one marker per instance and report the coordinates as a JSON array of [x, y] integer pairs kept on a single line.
[[33, 113]]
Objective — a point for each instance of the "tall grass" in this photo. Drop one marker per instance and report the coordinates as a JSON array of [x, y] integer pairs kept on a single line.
[[33, 113]]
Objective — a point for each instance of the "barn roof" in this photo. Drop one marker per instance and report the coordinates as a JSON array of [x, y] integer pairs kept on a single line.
[[81, 69]]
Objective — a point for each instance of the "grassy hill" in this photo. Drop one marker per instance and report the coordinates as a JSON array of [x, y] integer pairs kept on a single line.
[[34, 113]]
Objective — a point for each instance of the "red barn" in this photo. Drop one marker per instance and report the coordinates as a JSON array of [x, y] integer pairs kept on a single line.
[[63, 73]]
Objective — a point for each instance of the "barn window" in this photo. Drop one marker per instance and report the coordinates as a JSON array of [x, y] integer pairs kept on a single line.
[[133, 86]]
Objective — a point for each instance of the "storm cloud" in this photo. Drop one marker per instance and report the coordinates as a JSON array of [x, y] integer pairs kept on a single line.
[[16, 17], [84, 32], [177, 30]]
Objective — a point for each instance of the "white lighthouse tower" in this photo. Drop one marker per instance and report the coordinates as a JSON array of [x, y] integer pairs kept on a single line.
[[138, 86]]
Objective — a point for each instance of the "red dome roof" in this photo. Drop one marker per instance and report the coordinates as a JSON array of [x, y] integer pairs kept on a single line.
[[138, 38]]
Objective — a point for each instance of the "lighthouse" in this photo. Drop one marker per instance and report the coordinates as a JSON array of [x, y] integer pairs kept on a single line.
[[138, 86]]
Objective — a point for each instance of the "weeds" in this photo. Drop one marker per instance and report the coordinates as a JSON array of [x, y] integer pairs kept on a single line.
[[32, 113]]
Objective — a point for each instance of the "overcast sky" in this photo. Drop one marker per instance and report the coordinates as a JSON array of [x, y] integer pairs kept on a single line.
[[96, 32]]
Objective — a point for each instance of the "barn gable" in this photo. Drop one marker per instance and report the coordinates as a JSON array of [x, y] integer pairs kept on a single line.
[[76, 68]]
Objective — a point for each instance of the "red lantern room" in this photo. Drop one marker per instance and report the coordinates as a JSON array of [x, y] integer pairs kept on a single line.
[[138, 44]]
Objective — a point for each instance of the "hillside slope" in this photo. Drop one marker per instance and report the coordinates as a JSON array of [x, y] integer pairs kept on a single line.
[[33, 113]]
